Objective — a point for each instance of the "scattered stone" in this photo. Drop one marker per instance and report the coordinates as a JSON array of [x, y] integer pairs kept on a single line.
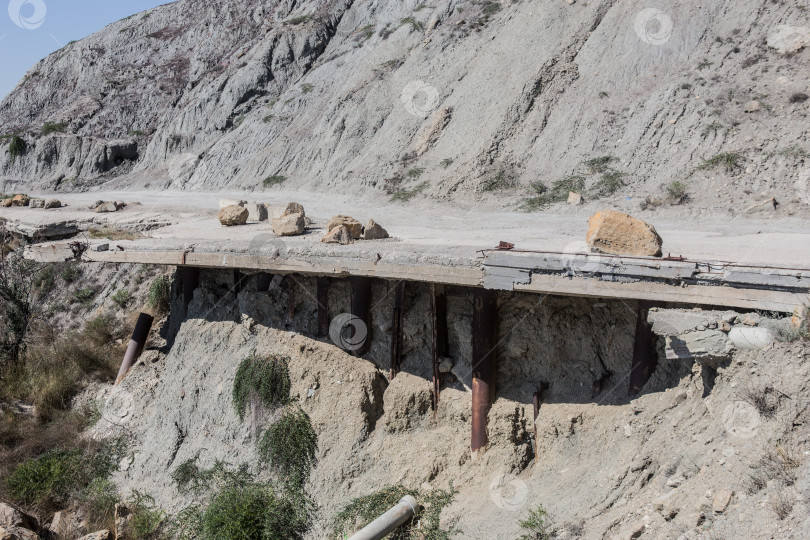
[[37, 203], [53, 203], [752, 106], [789, 39], [14, 517], [257, 212], [101, 248], [616, 233], [106, 207], [721, 500], [446, 365], [751, 339], [17, 533], [224, 203], [289, 225], [233, 215], [766, 206], [100, 535], [676, 481], [294, 208], [575, 199], [338, 235], [5, 203], [67, 524], [354, 226], [123, 521], [374, 231], [20, 200], [665, 505]]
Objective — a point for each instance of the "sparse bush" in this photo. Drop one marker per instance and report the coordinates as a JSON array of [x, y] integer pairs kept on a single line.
[[537, 523], [273, 180], [406, 195], [70, 271], [677, 192], [499, 181], [268, 118], [109, 233], [122, 298], [446, 162], [290, 444], [415, 25], [491, 8], [779, 463], [267, 380], [17, 306], [238, 120], [415, 173], [297, 20], [49, 128], [50, 476], [159, 298], [146, 516], [100, 329], [609, 184], [306, 88], [764, 399], [600, 164], [704, 64], [730, 161], [16, 147], [100, 499], [558, 193], [84, 296], [781, 504]]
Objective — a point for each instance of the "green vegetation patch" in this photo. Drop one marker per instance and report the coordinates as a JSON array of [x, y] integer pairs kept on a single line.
[[159, 297], [731, 161], [558, 192], [273, 180], [267, 380], [290, 445], [405, 195], [16, 147], [608, 184], [49, 128]]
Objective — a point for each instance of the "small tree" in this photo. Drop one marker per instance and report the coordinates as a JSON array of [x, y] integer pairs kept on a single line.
[[17, 277]]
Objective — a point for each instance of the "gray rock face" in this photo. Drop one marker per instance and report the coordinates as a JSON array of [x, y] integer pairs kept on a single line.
[[333, 94]]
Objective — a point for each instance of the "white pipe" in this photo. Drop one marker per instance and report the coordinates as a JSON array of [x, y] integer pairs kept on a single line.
[[389, 521]]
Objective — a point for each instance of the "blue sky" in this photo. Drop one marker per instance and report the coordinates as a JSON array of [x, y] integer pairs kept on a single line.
[[32, 29]]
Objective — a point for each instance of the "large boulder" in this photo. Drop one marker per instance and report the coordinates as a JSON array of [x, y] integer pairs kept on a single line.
[[374, 231], [99, 535], [354, 226], [37, 203], [20, 200], [290, 225], [106, 207], [338, 235], [789, 39], [233, 215], [5, 203], [616, 233], [17, 533], [53, 203], [67, 524], [14, 517], [294, 208]]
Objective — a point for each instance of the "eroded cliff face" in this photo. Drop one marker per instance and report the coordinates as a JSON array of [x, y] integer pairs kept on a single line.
[[481, 98], [603, 465]]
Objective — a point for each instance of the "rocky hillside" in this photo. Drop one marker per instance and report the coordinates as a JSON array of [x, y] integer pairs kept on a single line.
[[451, 99]]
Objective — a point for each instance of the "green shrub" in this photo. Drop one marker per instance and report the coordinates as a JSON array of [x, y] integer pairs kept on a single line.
[[100, 498], [446, 162], [290, 445], [50, 476], [730, 161], [273, 180], [415, 25], [406, 195], [609, 184], [16, 147], [677, 191], [100, 329], [146, 516], [266, 380], [537, 523], [558, 193], [491, 8], [70, 271], [49, 128], [122, 298], [600, 164], [159, 297], [297, 20], [84, 296], [306, 88]]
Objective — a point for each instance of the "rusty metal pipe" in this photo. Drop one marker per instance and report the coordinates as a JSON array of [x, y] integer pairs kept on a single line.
[[323, 306], [396, 329], [361, 308], [484, 336], [389, 521], [136, 345], [438, 311]]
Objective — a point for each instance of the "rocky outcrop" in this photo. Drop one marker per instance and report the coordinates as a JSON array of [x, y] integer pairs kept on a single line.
[[616, 233], [14, 517], [233, 215]]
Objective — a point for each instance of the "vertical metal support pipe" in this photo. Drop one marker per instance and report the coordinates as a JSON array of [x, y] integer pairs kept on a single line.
[[484, 337], [136, 344], [538, 395], [291, 306], [645, 354], [438, 311], [323, 306], [265, 280], [361, 309], [396, 329], [191, 280]]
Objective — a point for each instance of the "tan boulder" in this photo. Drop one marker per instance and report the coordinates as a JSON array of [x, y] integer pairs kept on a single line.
[[575, 199], [106, 208], [233, 215], [290, 225], [374, 231], [67, 524], [294, 208], [616, 233], [338, 235], [53, 203], [14, 517], [20, 200], [37, 203], [721, 500], [354, 226], [5, 203], [17, 533]]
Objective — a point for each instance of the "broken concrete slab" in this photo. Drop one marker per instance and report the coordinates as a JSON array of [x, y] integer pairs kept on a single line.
[[707, 347]]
